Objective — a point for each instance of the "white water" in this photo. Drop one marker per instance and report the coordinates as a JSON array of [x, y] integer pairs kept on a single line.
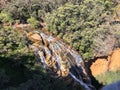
[[80, 82], [56, 51]]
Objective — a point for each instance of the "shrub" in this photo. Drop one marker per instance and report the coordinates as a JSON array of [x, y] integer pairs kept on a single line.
[[11, 42], [77, 23], [106, 39], [34, 22], [6, 18], [109, 77]]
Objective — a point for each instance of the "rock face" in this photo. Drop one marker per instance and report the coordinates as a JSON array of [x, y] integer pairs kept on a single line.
[[115, 61], [34, 37], [58, 59], [102, 65], [99, 66]]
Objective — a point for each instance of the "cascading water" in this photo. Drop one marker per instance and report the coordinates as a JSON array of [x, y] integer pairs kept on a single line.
[[58, 57]]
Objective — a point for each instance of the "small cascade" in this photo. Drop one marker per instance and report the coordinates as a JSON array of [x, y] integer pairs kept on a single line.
[[63, 61]]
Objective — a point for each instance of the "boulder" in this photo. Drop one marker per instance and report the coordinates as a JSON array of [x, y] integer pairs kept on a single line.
[[34, 37]]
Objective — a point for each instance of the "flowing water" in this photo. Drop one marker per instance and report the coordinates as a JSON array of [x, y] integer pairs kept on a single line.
[[56, 56]]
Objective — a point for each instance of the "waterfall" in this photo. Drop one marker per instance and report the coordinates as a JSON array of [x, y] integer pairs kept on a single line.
[[55, 54], [80, 82]]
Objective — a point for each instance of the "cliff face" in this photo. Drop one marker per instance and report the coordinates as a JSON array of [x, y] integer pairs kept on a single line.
[[115, 61], [99, 66], [102, 65], [58, 59]]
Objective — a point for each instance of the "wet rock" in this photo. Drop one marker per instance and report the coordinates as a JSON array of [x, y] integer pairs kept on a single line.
[[34, 37], [56, 56]]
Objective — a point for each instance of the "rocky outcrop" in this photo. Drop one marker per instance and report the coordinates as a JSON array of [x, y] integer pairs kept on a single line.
[[99, 66], [58, 59], [102, 65], [115, 61]]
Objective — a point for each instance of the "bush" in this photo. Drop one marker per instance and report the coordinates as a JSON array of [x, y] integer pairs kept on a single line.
[[107, 38], [78, 23], [18, 68], [34, 22], [22, 10], [11, 42], [6, 18], [109, 77]]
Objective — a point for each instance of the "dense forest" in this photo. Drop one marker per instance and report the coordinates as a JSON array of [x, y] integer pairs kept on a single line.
[[92, 27]]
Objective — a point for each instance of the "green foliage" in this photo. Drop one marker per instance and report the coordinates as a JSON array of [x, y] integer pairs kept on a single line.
[[77, 23], [81, 23], [109, 77], [116, 12], [16, 75], [6, 18], [34, 22], [22, 10], [106, 39], [11, 42], [18, 68]]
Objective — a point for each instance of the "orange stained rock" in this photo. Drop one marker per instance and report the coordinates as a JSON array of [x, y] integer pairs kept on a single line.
[[59, 72], [46, 43], [112, 63], [34, 37], [48, 61], [36, 45], [115, 60], [65, 73], [17, 25], [99, 66]]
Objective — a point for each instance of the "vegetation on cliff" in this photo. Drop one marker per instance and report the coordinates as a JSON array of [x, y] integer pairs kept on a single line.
[[90, 26], [107, 78], [82, 24], [18, 67], [85, 26]]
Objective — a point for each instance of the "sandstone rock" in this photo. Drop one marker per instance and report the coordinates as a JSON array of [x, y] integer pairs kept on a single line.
[[99, 66], [34, 37], [115, 61], [112, 63]]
